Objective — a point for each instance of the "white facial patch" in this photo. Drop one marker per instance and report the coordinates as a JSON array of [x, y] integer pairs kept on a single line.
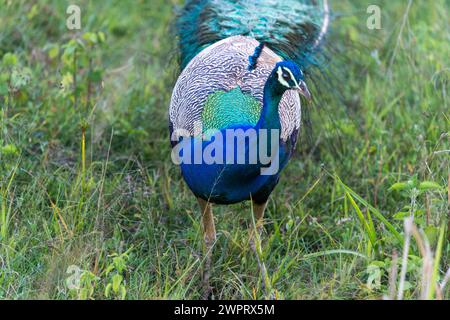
[[292, 76], [280, 77], [282, 80]]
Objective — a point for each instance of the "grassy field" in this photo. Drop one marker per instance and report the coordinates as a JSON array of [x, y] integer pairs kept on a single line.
[[118, 217]]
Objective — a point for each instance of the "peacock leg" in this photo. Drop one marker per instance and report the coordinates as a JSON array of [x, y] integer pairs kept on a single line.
[[258, 212], [258, 215], [209, 235], [255, 243]]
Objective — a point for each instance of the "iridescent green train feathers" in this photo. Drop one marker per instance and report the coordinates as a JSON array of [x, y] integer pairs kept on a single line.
[[204, 22]]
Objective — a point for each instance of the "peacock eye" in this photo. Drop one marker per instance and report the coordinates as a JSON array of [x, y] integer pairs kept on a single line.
[[286, 76]]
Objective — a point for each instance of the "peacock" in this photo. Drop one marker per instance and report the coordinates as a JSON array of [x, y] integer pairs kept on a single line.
[[243, 67]]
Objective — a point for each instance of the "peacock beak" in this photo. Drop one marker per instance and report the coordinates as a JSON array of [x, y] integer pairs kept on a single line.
[[302, 88]]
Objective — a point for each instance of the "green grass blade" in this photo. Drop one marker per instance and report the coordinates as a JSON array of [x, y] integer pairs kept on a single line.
[[437, 260], [367, 226], [375, 212], [331, 252]]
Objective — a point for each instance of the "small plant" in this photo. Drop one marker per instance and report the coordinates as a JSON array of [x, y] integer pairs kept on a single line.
[[82, 283], [88, 283], [116, 287], [414, 190], [81, 77]]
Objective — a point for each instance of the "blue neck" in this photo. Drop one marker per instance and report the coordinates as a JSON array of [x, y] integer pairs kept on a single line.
[[270, 118]]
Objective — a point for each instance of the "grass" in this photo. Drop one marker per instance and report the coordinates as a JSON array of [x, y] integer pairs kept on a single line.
[[86, 178]]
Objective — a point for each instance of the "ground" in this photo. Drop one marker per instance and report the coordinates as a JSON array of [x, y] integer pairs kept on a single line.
[[93, 208]]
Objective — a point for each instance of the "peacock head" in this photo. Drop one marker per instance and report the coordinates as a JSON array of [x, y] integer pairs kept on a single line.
[[290, 77]]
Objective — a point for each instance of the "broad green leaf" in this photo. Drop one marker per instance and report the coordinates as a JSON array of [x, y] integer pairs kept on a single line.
[[401, 215], [117, 280], [429, 185], [400, 186], [9, 150], [9, 60]]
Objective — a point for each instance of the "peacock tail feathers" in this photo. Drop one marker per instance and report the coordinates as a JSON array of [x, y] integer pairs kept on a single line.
[[293, 29]]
